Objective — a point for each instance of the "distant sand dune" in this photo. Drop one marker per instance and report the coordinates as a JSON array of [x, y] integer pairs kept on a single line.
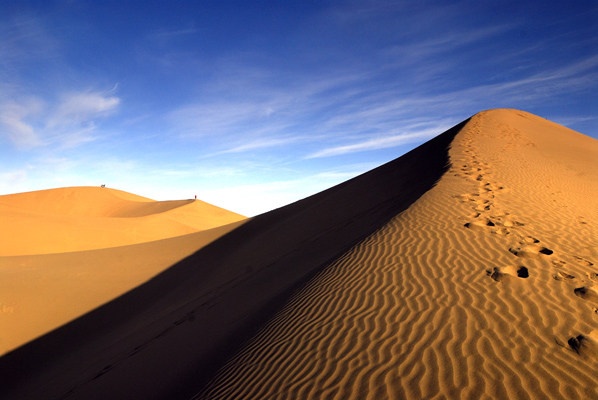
[[85, 218], [464, 269], [64, 252]]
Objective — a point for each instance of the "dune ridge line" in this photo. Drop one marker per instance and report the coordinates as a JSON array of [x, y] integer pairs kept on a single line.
[[463, 295]]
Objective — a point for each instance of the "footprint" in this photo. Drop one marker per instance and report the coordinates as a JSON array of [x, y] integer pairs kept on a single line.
[[585, 345], [509, 224], [587, 293], [483, 207], [501, 231], [583, 262], [479, 225], [563, 276], [487, 195], [474, 197], [581, 220], [501, 273], [531, 240], [530, 251], [489, 186], [558, 263]]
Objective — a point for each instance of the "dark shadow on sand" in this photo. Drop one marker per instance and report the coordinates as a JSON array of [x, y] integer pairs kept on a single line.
[[167, 337]]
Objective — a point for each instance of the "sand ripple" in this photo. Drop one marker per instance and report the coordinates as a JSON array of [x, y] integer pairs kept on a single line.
[[427, 308]]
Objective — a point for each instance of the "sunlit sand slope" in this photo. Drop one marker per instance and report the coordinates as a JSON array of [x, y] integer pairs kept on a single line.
[[84, 218], [167, 337], [483, 288], [39, 293]]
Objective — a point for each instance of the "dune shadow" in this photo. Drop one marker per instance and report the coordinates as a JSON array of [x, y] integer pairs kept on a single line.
[[167, 337]]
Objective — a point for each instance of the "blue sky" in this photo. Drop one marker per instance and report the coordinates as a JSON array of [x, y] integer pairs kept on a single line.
[[253, 105]]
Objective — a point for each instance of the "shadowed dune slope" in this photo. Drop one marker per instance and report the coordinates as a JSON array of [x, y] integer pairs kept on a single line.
[[167, 337], [84, 218], [485, 288]]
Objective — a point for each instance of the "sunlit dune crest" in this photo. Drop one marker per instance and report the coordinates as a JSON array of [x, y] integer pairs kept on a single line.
[[86, 218], [467, 268]]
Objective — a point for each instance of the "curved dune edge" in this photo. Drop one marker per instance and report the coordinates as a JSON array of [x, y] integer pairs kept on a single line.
[[165, 338], [484, 288], [87, 218]]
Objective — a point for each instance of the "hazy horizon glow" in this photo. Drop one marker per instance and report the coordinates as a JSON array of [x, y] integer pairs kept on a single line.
[[253, 105]]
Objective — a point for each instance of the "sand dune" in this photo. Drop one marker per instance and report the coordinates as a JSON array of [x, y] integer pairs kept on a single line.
[[466, 268], [42, 292], [85, 218], [48, 274], [411, 312]]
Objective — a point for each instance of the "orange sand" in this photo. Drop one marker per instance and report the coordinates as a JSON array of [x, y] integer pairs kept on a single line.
[[40, 292], [430, 308], [467, 268], [85, 218]]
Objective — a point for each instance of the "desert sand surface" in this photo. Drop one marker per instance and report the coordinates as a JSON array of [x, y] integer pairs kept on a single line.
[[467, 268], [48, 275], [85, 218], [41, 292]]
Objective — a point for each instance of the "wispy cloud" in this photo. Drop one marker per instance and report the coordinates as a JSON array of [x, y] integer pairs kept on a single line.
[[264, 143], [376, 143], [219, 118], [24, 38], [575, 77], [79, 108], [348, 113], [14, 116], [40, 173], [572, 121], [72, 121], [34, 113], [437, 46], [172, 33], [12, 179], [282, 96]]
